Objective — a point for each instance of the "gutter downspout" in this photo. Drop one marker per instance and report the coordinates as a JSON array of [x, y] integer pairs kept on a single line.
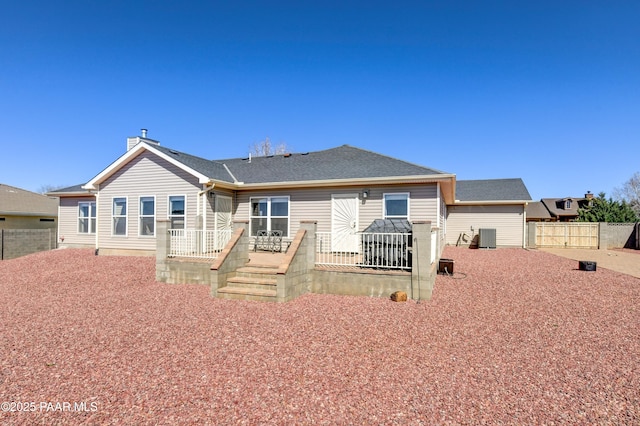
[[97, 193], [438, 202], [524, 226]]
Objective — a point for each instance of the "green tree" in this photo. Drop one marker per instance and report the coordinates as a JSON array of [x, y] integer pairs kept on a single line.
[[602, 209]]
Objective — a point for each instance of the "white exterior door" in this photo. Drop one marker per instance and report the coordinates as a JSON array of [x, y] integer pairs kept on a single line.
[[344, 223], [223, 225]]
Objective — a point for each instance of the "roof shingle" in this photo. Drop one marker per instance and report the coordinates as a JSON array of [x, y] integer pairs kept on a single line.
[[16, 201], [492, 190]]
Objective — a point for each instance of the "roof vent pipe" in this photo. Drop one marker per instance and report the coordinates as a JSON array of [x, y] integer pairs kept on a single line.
[[144, 133]]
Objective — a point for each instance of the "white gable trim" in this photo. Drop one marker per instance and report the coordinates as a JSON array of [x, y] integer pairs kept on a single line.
[[130, 155]]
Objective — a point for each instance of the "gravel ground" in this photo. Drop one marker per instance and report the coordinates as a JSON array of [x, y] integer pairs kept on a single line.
[[524, 338]]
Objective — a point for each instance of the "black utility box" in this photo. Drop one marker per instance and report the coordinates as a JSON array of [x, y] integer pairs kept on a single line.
[[445, 266], [586, 265]]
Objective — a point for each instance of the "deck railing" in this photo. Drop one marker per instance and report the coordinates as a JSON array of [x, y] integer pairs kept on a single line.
[[197, 243], [364, 250]]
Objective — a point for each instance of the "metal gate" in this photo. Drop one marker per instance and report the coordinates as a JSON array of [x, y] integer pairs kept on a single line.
[[567, 234]]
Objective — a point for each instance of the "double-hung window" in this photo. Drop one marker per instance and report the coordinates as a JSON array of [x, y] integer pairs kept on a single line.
[[147, 216], [396, 206], [176, 211], [119, 216], [87, 217], [270, 214]]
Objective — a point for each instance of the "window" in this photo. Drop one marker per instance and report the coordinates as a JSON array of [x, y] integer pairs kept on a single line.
[[119, 216], [147, 216], [270, 213], [567, 204], [396, 206], [86, 217], [176, 211]]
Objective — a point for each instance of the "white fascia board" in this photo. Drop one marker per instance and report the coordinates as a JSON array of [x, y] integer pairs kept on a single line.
[[71, 194], [492, 203], [130, 155], [348, 182]]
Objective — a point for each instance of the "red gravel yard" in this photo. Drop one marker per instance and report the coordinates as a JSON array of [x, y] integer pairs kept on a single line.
[[524, 338]]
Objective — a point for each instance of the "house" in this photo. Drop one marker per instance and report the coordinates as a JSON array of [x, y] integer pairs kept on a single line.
[[21, 209], [155, 199], [558, 209], [496, 204], [344, 189], [537, 212], [28, 222]]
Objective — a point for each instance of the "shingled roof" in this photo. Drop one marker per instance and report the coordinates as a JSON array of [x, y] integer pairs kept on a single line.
[[537, 211], [492, 190], [20, 202], [212, 169], [343, 162]]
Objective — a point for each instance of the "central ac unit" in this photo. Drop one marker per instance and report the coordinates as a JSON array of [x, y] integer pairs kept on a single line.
[[487, 238]]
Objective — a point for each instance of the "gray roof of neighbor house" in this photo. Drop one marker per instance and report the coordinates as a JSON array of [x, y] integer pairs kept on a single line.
[[492, 190], [556, 206], [537, 210], [20, 202]]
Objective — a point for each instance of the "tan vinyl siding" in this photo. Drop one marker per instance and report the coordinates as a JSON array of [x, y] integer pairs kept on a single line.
[[507, 220], [27, 222], [315, 204], [68, 223], [145, 175]]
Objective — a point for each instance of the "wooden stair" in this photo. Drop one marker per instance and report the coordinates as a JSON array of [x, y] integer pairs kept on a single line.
[[256, 282]]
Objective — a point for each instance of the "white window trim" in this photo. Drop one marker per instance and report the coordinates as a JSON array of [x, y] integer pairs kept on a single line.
[[89, 227], [141, 216], [126, 216], [169, 215], [268, 216], [384, 205]]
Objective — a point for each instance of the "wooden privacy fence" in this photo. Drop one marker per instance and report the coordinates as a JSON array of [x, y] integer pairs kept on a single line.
[[567, 234]]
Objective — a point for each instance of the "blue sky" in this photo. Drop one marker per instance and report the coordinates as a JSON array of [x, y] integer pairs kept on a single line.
[[548, 91]]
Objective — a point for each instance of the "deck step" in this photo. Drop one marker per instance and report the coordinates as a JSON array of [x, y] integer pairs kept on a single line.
[[259, 269], [252, 282], [242, 293]]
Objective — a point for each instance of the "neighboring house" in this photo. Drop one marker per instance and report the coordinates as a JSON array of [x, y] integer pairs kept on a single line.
[[343, 189], [537, 212], [492, 204], [558, 209], [21, 209]]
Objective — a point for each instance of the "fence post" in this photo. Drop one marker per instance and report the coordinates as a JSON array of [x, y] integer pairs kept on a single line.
[[163, 244], [422, 278], [531, 234], [163, 241], [311, 226]]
